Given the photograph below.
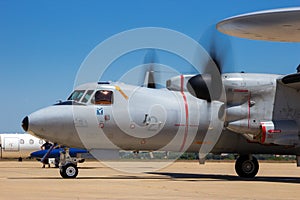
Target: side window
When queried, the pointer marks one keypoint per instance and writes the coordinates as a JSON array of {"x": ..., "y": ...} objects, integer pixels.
[
  {"x": 103, "y": 97},
  {"x": 31, "y": 141},
  {"x": 41, "y": 142},
  {"x": 87, "y": 96},
  {"x": 76, "y": 95},
  {"x": 21, "y": 141}
]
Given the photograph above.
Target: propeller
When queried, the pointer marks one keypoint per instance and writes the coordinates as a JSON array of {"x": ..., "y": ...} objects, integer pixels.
[
  {"x": 208, "y": 85},
  {"x": 218, "y": 47},
  {"x": 151, "y": 73},
  {"x": 149, "y": 61}
]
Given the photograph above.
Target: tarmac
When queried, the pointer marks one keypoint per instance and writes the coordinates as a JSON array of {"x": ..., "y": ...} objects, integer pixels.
[{"x": 180, "y": 180}]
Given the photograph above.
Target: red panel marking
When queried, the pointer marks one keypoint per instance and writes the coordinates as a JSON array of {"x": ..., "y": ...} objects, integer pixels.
[
  {"x": 274, "y": 131},
  {"x": 186, "y": 107},
  {"x": 263, "y": 136},
  {"x": 240, "y": 90},
  {"x": 101, "y": 125}
]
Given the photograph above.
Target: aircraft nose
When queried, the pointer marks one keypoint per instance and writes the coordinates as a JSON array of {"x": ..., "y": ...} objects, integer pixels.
[
  {"x": 54, "y": 123},
  {"x": 25, "y": 123}
]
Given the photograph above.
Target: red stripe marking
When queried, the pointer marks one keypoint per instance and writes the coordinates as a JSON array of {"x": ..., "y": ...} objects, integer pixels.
[
  {"x": 263, "y": 137},
  {"x": 186, "y": 107},
  {"x": 274, "y": 131},
  {"x": 240, "y": 90}
]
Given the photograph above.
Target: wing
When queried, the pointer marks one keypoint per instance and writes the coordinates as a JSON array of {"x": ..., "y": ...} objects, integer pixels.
[{"x": 281, "y": 25}]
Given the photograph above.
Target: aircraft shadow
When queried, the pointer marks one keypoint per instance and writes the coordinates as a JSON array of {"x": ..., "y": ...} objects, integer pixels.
[
  {"x": 216, "y": 177},
  {"x": 121, "y": 177},
  {"x": 183, "y": 177}
]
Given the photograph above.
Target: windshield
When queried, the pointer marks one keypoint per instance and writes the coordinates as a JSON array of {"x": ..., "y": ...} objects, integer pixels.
[
  {"x": 87, "y": 96},
  {"x": 76, "y": 95}
]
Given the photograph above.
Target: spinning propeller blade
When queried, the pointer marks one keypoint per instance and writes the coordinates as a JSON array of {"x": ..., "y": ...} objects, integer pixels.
[
  {"x": 208, "y": 85},
  {"x": 149, "y": 61}
]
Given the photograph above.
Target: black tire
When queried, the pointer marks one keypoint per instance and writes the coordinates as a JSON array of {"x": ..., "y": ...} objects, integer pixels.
[
  {"x": 70, "y": 170},
  {"x": 61, "y": 172},
  {"x": 56, "y": 163},
  {"x": 246, "y": 167}
]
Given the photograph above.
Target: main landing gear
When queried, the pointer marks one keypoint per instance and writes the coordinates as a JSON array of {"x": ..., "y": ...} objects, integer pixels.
[
  {"x": 246, "y": 166},
  {"x": 68, "y": 165}
]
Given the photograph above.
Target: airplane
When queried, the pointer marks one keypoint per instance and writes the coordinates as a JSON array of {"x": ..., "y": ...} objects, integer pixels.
[
  {"x": 240, "y": 113},
  {"x": 18, "y": 145}
]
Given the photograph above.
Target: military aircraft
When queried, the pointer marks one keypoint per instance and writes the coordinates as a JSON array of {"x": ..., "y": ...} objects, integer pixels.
[{"x": 239, "y": 113}]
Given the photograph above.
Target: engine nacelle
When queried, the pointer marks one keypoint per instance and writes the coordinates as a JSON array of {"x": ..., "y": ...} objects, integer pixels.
[
  {"x": 203, "y": 86},
  {"x": 283, "y": 132},
  {"x": 178, "y": 83}
]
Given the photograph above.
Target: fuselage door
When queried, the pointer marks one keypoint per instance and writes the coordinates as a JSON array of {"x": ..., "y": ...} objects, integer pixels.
[{"x": 11, "y": 144}]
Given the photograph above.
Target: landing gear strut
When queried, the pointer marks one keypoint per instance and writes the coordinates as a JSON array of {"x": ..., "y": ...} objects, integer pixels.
[
  {"x": 68, "y": 165},
  {"x": 246, "y": 166}
]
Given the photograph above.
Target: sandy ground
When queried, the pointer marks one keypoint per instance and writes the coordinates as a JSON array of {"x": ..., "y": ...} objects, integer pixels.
[{"x": 180, "y": 180}]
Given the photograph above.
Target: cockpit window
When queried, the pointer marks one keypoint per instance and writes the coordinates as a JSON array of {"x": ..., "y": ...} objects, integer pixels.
[
  {"x": 87, "y": 96},
  {"x": 76, "y": 95},
  {"x": 104, "y": 97}
]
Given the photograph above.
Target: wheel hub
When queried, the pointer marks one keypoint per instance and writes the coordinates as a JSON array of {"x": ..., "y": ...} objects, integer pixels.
[
  {"x": 70, "y": 171},
  {"x": 248, "y": 167}
]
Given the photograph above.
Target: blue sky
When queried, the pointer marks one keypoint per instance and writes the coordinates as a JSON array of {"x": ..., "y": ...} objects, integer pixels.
[{"x": 43, "y": 43}]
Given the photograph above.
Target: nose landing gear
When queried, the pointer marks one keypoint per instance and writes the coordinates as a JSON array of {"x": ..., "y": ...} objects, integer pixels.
[{"x": 68, "y": 165}]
